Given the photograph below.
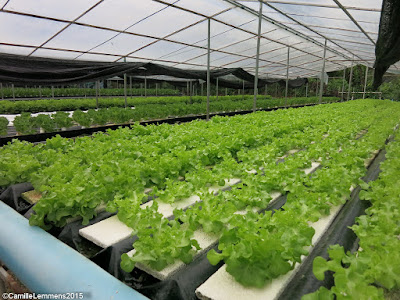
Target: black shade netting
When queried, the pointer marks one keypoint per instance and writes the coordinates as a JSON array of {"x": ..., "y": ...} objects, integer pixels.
[
  {"x": 387, "y": 49},
  {"x": 23, "y": 70}
]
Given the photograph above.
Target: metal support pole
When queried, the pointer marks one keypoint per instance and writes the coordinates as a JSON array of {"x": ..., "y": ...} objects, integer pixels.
[
  {"x": 365, "y": 81},
  {"x": 202, "y": 89},
  {"x": 130, "y": 85},
  {"x": 141, "y": 89},
  {"x": 350, "y": 80},
  {"x": 243, "y": 91},
  {"x": 306, "y": 89},
  {"x": 13, "y": 90},
  {"x": 208, "y": 68},
  {"x": 156, "y": 89},
  {"x": 187, "y": 88},
  {"x": 266, "y": 89},
  {"x": 316, "y": 89},
  {"x": 216, "y": 90},
  {"x": 190, "y": 91},
  {"x": 52, "y": 91},
  {"x": 287, "y": 75},
  {"x": 257, "y": 57},
  {"x": 125, "y": 91},
  {"x": 226, "y": 91},
  {"x": 145, "y": 86},
  {"x": 321, "y": 90},
  {"x": 276, "y": 90},
  {"x": 97, "y": 94},
  {"x": 344, "y": 80}
]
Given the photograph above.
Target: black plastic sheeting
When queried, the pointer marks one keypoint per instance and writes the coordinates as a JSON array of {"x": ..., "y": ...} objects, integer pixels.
[
  {"x": 25, "y": 70},
  {"x": 12, "y": 197},
  {"x": 387, "y": 49}
]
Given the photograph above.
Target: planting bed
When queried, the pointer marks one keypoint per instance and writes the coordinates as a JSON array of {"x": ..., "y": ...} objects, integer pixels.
[
  {"x": 47, "y": 92},
  {"x": 46, "y": 105},
  {"x": 27, "y": 126},
  {"x": 225, "y": 209}
]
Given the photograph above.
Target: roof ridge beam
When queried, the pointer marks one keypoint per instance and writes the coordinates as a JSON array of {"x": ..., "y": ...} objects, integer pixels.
[
  {"x": 318, "y": 5},
  {"x": 287, "y": 28},
  {"x": 316, "y": 32}
]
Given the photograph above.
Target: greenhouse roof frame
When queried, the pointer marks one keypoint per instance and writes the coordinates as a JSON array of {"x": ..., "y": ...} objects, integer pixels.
[{"x": 85, "y": 33}]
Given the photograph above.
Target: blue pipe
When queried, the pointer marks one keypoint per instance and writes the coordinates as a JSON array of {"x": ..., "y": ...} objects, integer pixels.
[{"x": 46, "y": 265}]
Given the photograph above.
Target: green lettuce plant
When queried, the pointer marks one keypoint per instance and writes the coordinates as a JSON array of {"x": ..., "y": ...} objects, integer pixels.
[
  {"x": 3, "y": 125},
  {"x": 62, "y": 119},
  {"x": 24, "y": 124},
  {"x": 45, "y": 122}
]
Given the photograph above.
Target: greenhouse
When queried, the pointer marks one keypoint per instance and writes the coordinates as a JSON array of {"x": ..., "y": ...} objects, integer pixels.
[{"x": 208, "y": 149}]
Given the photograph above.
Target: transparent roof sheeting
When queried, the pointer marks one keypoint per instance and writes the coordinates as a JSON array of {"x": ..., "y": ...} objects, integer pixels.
[{"x": 174, "y": 32}]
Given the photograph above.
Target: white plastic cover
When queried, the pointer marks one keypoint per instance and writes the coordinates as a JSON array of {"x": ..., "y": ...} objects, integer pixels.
[{"x": 174, "y": 32}]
